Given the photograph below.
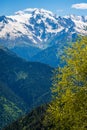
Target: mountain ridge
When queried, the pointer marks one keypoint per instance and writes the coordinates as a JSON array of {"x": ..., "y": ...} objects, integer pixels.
[{"x": 35, "y": 27}]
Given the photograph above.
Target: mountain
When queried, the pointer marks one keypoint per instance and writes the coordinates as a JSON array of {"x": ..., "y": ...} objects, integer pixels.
[
  {"x": 26, "y": 52},
  {"x": 23, "y": 85},
  {"x": 32, "y": 121},
  {"x": 31, "y": 26},
  {"x": 37, "y": 26},
  {"x": 33, "y": 31},
  {"x": 29, "y": 80},
  {"x": 52, "y": 54}
]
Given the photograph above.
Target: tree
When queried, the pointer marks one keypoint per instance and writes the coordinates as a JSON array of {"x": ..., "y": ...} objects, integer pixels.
[{"x": 68, "y": 110}]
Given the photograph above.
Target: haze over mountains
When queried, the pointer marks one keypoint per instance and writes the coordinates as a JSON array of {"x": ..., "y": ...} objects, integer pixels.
[{"x": 32, "y": 33}]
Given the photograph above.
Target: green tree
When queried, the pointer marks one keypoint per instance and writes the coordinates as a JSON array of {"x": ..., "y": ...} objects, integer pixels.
[{"x": 68, "y": 110}]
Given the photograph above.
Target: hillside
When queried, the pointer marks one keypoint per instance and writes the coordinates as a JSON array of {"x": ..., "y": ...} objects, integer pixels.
[
  {"x": 32, "y": 121},
  {"x": 24, "y": 85},
  {"x": 11, "y": 106},
  {"x": 52, "y": 54}
]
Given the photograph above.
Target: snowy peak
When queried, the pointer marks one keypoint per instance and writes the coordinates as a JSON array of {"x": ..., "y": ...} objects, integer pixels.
[
  {"x": 29, "y": 13},
  {"x": 37, "y": 26},
  {"x": 34, "y": 11},
  {"x": 80, "y": 24},
  {"x": 3, "y": 19},
  {"x": 77, "y": 18}
]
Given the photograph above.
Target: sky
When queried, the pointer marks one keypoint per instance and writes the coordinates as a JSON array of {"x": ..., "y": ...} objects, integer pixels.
[{"x": 59, "y": 7}]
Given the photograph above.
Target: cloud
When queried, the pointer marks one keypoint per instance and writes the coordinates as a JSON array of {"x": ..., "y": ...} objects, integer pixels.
[
  {"x": 80, "y": 6},
  {"x": 25, "y": 11},
  {"x": 19, "y": 12}
]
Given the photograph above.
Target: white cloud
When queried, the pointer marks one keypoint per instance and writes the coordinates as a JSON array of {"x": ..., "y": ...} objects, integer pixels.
[
  {"x": 19, "y": 12},
  {"x": 80, "y": 6},
  {"x": 29, "y": 9}
]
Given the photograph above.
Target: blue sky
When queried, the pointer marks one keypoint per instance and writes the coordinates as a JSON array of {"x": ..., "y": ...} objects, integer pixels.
[{"x": 60, "y": 7}]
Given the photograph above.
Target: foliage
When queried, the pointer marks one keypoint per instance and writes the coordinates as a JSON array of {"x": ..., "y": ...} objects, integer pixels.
[
  {"x": 11, "y": 106},
  {"x": 68, "y": 110},
  {"x": 32, "y": 121},
  {"x": 8, "y": 112}
]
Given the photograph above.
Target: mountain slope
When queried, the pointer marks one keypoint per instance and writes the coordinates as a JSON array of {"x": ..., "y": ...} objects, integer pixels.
[
  {"x": 26, "y": 52},
  {"x": 11, "y": 106},
  {"x": 32, "y": 121},
  {"x": 30, "y": 81},
  {"x": 52, "y": 54}
]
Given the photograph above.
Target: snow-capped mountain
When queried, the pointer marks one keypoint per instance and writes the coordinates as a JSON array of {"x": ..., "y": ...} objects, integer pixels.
[
  {"x": 29, "y": 26},
  {"x": 37, "y": 26},
  {"x": 39, "y": 35}
]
